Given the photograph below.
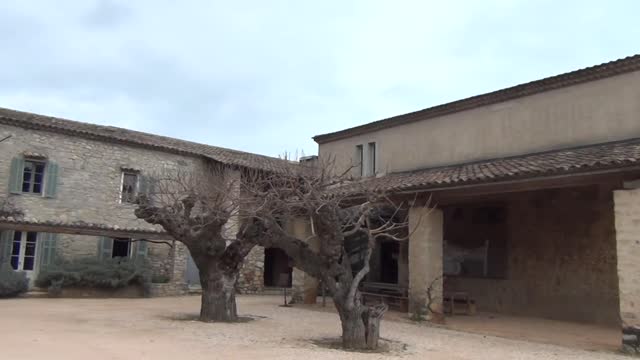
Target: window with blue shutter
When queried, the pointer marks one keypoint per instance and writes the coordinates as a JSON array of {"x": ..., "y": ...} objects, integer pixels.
[
  {"x": 47, "y": 249},
  {"x": 35, "y": 176},
  {"x": 6, "y": 245},
  {"x": 15, "y": 175},
  {"x": 51, "y": 183},
  {"x": 105, "y": 248},
  {"x": 142, "y": 250}
]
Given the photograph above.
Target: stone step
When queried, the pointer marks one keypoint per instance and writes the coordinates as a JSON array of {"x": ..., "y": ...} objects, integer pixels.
[{"x": 36, "y": 293}]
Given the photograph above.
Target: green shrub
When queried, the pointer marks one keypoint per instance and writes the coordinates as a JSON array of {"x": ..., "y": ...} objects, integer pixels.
[
  {"x": 12, "y": 283},
  {"x": 160, "y": 279},
  {"x": 94, "y": 273}
]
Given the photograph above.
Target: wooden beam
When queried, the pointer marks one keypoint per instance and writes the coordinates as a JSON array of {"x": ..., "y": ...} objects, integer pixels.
[
  {"x": 75, "y": 230},
  {"x": 454, "y": 194}
]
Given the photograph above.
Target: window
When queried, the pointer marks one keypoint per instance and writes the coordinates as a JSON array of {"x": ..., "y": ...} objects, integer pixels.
[
  {"x": 33, "y": 176},
  {"x": 359, "y": 160},
  {"x": 121, "y": 247},
  {"x": 371, "y": 159},
  {"x": 129, "y": 187},
  {"x": 23, "y": 250}
]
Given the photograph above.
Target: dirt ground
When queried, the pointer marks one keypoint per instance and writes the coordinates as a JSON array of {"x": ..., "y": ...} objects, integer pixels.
[{"x": 163, "y": 328}]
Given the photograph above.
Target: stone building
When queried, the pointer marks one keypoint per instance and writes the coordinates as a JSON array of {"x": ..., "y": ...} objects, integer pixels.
[
  {"x": 534, "y": 197},
  {"x": 75, "y": 185}
]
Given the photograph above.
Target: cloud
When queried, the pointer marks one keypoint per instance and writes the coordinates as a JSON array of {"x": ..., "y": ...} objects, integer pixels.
[{"x": 266, "y": 76}]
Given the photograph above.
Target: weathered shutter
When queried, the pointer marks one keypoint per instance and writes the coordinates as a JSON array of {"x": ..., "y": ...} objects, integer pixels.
[
  {"x": 105, "y": 248},
  {"x": 142, "y": 249},
  {"x": 47, "y": 249},
  {"x": 51, "y": 182},
  {"x": 146, "y": 186},
  {"x": 6, "y": 244},
  {"x": 16, "y": 175}
]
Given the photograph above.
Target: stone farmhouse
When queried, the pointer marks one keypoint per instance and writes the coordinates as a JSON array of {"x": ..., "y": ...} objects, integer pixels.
[
  {"x": 76, "y": 184},
  {"x": 534, "y": 198}
]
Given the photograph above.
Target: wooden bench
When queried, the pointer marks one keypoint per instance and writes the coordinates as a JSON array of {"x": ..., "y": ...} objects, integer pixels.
[
  {"x": 393, "y": 295},
  {"x": 453, "y": 298}
]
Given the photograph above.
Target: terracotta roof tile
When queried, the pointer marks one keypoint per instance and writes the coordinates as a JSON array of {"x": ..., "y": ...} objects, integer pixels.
[
  {"x": 613, "y": 155},
  {"x": 131, "y": 137}
]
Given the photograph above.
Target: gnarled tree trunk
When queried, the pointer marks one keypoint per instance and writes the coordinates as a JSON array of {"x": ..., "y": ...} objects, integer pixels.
[
  {"x": 218, "y": 294},
  {"x": 360, "y": 323}
]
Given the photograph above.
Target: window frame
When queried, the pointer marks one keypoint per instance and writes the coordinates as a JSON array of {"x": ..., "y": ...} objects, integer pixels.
[
  {"x": 372, "y": 149},
  {"x": 31, "y": 181},
  {"x": 120, "y": 240},
  {"x": 360, "y": 159},
  {"x": 136, "y": 189}
]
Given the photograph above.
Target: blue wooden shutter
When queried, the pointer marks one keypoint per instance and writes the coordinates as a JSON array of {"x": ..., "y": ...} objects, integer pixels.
[
  {"x": 6, "y": 244},
  {"x": 105, "y": 248},
  {"x": 142, "y": 249},
  {"x": 16, "y": 175},
  {"x": 51, "y": 183},
  {"x": 47, "y": 249}
]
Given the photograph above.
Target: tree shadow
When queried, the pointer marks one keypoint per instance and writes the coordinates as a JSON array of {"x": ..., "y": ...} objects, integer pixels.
[
  {"x": 385, "y": 346},
  {"x": 196, "y": 317}
]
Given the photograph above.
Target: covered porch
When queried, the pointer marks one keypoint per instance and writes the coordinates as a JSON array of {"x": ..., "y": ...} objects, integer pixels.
[{"x": 551, "y": 236}]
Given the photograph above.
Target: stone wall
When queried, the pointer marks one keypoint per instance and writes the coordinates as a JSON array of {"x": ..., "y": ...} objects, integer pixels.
[
  {"x": 70, "y": 247},
  {"x": 168, "y": 289},
  {"x": 251, "y": 278},
  {"x": 160, "y": 256},
  {"x": 561, "y": 258},
  {"x": 627, "y": 222},
  {"x": 89, "y": 178}
]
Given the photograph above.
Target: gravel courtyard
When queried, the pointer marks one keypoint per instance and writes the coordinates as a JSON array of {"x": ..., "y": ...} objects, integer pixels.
[{"x": 163, "y": 328}]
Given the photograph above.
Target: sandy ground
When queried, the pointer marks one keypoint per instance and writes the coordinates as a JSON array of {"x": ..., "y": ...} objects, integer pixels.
[{"x": 162, "y": 328}]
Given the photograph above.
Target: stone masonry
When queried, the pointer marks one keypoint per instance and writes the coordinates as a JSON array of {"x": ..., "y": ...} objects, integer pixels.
[
  {"x": 425, "y": 261},
  {"x": 88, "y": 189},
  {"x": 627, "y": 220}
]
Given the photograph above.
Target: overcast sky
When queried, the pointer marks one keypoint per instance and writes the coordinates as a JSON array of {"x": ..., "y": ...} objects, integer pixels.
[{"x": 265, "y": 76}]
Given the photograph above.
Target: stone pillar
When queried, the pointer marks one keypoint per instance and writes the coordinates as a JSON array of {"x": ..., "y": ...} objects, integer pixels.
[
  {"x": 627, "y": 221},
  {"x": 425, "y": 261},
  {"x": 305, "y": 287},
  {"x": 179, "y": 256}
]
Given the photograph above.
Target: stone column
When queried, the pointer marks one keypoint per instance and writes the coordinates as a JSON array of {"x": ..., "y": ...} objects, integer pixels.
[
  {"x": 179, "y": 255},
  {"x": 627, "y": 221},
  {"x": 425, "y": 261},
  {"x": 305, "y": 287}
]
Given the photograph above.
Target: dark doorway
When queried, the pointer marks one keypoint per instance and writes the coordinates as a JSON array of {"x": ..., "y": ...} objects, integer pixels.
[
  {"x": 276, "y": 266},
  {"x": 389, "y": 252}
]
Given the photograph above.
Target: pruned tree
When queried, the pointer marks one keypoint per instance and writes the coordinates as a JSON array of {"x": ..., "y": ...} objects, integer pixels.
[
  {"x": 200, "y": 209},
  {"x": 346, "y": 227}
]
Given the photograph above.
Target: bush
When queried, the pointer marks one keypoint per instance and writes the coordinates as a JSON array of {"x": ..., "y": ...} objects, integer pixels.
[
  {"x": 94, "y": 273},
  {"x": 160, "y": 279},
  {"x": 12, "y": 283}
]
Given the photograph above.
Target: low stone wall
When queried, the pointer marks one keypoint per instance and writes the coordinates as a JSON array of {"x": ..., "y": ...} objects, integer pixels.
[{"x": 168, "y": 289}]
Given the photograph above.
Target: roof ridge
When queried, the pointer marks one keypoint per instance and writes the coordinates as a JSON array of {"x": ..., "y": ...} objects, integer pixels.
[
  {"x": 135, "y": 137},
  {"x": 582, "y": 75}
]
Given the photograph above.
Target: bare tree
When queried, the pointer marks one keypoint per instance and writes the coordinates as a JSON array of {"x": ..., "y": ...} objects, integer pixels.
[
  {"x": 200, "y": 209},
  {"x": 345, "y": 228}
]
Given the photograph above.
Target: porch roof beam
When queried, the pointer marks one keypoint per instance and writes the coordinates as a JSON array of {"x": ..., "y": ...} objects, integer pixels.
[{"x": 77, "y": 230}]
